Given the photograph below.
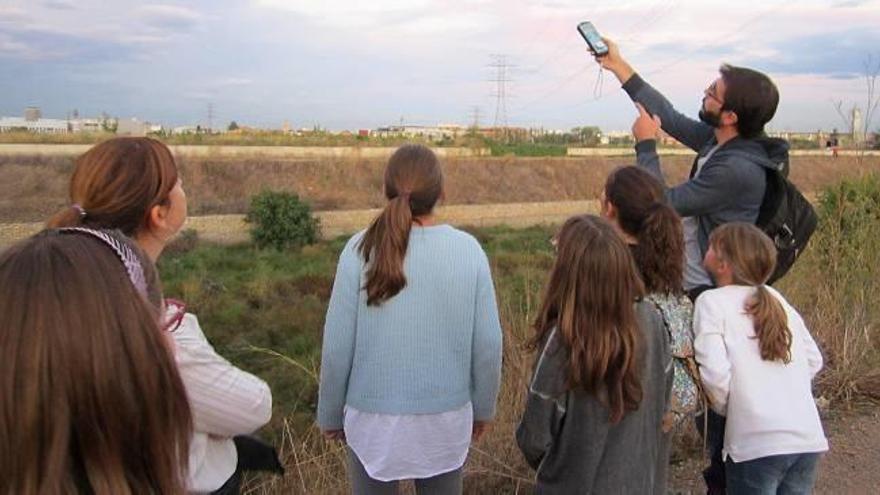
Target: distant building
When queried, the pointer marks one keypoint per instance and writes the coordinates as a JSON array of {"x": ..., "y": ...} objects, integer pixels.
[
  {"x": 32, "y": 114},
  {"x": 615, "y": 137},
  {"x": 42, "y": 126},
  {"x": 131, "y": 127},
  {"x": 434, "y": 133},
  {"x": 87, "y": 125},
  {"x": 185, "y": 129},
  {"x": 857, "y": 126}
]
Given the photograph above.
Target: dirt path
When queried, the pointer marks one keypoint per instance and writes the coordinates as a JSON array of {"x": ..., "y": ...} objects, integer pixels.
[{"x": 852, "y": 466}]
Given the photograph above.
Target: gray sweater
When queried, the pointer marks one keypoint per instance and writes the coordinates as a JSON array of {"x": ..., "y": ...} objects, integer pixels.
[
  {"x": 731, "y": 184},
  {"x": 566, "y": 436}
]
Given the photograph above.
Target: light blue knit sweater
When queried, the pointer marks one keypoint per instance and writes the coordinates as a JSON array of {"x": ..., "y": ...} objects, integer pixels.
[{"x": 431, "y": 348}]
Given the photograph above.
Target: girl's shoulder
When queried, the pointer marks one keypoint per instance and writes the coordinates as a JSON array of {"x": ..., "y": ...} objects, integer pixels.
[{"x": 734, "y": 295}]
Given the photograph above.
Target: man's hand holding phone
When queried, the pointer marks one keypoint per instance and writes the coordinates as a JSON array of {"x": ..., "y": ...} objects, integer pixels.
[{"x": 605, "y": 52}]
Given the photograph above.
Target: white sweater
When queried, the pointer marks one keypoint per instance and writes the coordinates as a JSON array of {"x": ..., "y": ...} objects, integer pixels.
[
  {"x": 225, "y": 401},
  {"x": 769, "y": 405}
]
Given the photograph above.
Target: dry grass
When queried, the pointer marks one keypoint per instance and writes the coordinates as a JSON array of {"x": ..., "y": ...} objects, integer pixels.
[
  {"x": 836, "y": 285},
  {"x": 34, "y": 187}
]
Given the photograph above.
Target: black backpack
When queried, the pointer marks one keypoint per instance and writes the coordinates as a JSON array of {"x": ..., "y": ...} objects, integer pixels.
[{"x": 786, "y": 216}]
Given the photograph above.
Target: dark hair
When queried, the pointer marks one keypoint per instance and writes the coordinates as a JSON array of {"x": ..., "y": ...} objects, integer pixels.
[
  {"x": 590, "y": 301},
  {"x": 413, "y": 184},
  {"x": 752, "y": 96},
  {"x": 752, "y": 255},
  {"x": 116, "y": 183},
  {"x": 643, "y": 212},
  {"x": 91, "y": 400}
]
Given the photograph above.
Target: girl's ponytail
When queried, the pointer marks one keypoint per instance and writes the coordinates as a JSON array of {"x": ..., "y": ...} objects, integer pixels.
[
  {"x": 385, "y": 243},
  {"x": 658, "y": 253},
  {"x": 752, "y": 257},
  {"x": 413, "y": 185},
  {"x": 71, "y": 216},
  {"x": 771, "y": 326}
]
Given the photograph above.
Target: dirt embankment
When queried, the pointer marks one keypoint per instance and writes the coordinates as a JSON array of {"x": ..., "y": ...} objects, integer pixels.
[{"x": 35, "y": 186}]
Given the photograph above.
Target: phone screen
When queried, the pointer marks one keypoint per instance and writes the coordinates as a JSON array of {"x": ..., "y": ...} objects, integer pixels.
[{"x": 592, "y": 37}]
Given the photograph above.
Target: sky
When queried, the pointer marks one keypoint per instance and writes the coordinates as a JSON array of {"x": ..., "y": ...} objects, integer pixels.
[{"x": 360, "y": 65}]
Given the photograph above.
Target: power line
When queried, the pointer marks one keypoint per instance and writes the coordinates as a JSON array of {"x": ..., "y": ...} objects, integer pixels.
[{"x": 475, "y": 116}]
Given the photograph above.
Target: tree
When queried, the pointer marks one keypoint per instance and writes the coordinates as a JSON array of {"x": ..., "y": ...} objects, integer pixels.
[
  {"x": 233, "y": 126},
  {"x": 871, "y": 72},
  {"x": 587, "y": 135}
]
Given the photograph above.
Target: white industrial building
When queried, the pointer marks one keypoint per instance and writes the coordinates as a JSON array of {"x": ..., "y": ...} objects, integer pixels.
[{"x": 43, "y": 126}]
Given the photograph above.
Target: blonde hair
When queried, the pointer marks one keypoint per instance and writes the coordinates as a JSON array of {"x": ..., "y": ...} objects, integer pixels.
[{"x": 752, "y": 257}]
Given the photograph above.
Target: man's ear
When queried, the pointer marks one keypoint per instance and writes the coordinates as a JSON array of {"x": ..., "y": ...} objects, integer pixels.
[
  {"x": 608, "y": 209},
  {"x": 729, "y": 117}
]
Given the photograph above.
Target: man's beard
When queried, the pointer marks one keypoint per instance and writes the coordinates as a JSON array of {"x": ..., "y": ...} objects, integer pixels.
[{"x": 712, "y": 119}]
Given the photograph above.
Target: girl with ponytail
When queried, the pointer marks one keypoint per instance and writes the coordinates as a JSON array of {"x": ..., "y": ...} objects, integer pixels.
[
  {"x": 757, "y": 360},
  {"x": 411, "y": 357},
  {"x": 634, "y": 202}
]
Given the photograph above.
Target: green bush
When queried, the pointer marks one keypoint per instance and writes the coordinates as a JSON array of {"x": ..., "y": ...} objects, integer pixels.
[
  {"x": 836, "y": 282},
  {"x": 281, "y": 221}
]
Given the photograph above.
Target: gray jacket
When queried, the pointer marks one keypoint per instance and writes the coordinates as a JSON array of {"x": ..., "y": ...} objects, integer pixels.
[
  {"x": 565, "y": 434},
  {"x": 731, "y": 184}
]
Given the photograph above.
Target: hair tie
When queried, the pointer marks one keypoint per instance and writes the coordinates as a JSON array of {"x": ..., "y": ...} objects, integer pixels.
[
  {"x": 405, "y": 196},
  {"x": 79, "y": 209}
]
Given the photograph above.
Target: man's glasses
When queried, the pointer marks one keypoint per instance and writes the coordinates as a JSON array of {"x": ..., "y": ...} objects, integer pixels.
[{"x": 711, "y": 93}]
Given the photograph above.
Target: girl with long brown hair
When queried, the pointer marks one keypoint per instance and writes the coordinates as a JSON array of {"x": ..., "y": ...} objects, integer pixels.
[
  {"x": 601, "y": 384},
  {"x": 90, "y": 398},
  {"x": 757, "y": 360},
  {"x": 132, "y": 186},
  {"x": 411, "y": 357},
  {"x": 634, "y": 202}
]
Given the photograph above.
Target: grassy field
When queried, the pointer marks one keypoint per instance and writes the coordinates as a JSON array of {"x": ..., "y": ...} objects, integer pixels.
[
  {"x": 264, "y": 310},
  {"x": 35, "y": 186}
]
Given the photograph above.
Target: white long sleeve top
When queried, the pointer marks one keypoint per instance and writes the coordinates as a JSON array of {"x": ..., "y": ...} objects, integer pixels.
[
  {"x": 769, "y": 406},
  {"x": 225, "y": 401}
]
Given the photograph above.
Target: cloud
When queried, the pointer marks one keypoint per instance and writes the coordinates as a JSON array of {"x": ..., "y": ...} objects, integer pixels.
[
  {"x": 169, "y": 17},
  {"x": 59, "y": 4},
  {"x": 838, "y": 54}
]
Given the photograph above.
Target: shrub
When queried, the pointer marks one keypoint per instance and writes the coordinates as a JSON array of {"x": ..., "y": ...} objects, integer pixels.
[
  {"x": 836, "y": 282},
  {"x": 281, "y": 220}
]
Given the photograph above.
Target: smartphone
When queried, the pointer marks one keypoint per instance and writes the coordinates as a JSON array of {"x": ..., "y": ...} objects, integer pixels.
[{"x": 592, "y": 37}]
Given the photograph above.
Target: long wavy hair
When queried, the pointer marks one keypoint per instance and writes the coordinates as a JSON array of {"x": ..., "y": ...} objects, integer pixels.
[
  {"x": 413, "y": 185},
  {"x": 752, "y": 256},
  {"x": 590, "y": 300},
  {"x": 90, "y": 397},
  {"x": 643, "y": 213}
]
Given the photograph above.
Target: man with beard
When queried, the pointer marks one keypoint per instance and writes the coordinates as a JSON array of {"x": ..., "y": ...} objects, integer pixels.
[
  {"x": 727, "y": 180},
  {"x": 728, "y": 177}
]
